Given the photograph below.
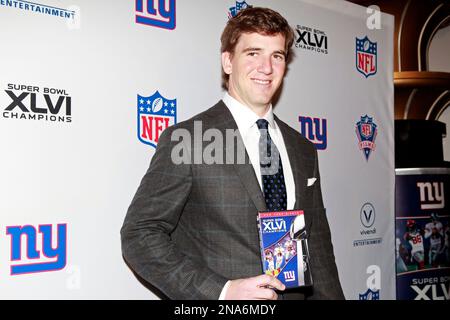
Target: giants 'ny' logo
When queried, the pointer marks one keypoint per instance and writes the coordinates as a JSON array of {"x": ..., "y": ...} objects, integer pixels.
[
  {"x": 315, "y": 130},
  {"x": 162, "y": 17},
  {"x": 431, "y": 195},
  {"x": 52, "y": 256},
  {"x": 289, "y": 276}
]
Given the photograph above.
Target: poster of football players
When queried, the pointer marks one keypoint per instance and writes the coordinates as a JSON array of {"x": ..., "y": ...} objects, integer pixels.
[{"x": 422, "y": 231}]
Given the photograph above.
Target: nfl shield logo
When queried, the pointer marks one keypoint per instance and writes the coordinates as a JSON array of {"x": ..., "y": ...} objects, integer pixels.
[
  {"x": 155, "y": 114},
  {"x": 370, "y": 295},
  {"x": 239, "y": 6},
  {"x": 366, "y": 130},
  {"x": 366, "y": 56}
]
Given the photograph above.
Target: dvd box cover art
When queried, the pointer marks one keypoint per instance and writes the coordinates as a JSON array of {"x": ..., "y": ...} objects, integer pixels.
[{"x": 284, "y": 247}]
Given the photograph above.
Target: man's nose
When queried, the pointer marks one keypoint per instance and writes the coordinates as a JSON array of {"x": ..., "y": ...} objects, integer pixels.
[{"x": 265, "y": 65}]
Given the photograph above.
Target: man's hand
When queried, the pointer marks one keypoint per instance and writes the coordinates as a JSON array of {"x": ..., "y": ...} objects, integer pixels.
[{"x": 256, "y": 288}]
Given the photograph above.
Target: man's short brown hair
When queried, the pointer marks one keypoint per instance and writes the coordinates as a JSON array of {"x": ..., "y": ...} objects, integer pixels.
[{"x": 264, "y": 21}]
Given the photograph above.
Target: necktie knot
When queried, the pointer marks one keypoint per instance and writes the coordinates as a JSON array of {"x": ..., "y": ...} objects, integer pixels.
[{"x": 262, "y": 124}]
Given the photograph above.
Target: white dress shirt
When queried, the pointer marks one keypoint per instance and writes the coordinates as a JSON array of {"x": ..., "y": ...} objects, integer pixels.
[
  {"x": 246, "y": 122},
  {"x": 246, "y": 119}
]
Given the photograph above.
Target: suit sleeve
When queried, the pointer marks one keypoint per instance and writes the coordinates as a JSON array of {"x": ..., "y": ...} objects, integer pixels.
[
  {"x": 151, "y": 218},
  {"x": 325, "y": 274}
]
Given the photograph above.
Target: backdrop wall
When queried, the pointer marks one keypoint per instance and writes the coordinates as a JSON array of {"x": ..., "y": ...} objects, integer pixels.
[{"x": 73, "y": 150}]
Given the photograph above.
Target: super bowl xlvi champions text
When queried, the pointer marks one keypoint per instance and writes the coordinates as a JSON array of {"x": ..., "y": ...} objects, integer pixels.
[
  {"x": 23, "y": 116},
  {"x": 27, "y": 102}
]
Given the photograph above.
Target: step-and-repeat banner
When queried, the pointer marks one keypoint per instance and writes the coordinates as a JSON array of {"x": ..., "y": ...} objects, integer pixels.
[{"x": 86, "y": 88}]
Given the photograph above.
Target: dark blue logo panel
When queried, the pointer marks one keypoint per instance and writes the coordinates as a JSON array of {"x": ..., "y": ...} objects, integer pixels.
[{"x": 422, "y": 236}]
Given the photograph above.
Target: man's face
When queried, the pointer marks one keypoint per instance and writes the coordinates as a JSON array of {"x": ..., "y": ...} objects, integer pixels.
[{"x": 256, "y": 69}]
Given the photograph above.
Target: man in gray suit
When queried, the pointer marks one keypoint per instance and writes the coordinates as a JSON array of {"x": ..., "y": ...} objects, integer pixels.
[{"x": 191, "y": 229}]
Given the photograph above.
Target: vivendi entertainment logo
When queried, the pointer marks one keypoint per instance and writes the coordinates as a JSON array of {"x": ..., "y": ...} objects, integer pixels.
[{"x": 39, "y": 8}]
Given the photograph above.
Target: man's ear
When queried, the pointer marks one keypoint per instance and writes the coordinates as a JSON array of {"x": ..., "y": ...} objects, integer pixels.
[{"x": 226, "y": 62}]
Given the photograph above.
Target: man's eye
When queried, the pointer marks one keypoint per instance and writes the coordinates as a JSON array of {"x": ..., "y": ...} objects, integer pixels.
[
  {"x": 279, "y": 57},
  {"x": 252, "y": 54}
]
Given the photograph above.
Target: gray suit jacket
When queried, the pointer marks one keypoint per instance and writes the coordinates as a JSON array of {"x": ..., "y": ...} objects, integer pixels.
[{"x": 192, "y": 227}]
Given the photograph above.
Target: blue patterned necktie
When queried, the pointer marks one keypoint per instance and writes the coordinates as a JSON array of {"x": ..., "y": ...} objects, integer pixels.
[{"x": 271, "y": 170}]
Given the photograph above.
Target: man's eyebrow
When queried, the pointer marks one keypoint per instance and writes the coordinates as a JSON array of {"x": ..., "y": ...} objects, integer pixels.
[
  {"x": 281, "y": 52},
  {"x": 251, "y": 49}
]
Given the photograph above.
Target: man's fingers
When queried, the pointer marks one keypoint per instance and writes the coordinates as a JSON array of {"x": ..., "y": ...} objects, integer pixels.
[
  {"x": 272, "y": 282},
  {"x": 277, "y": 284},
  {"x": 266, "y": 294},
  {"x": 260, "y": 287}
]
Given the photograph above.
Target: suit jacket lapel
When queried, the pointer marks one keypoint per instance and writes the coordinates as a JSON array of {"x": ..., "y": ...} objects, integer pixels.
[
  {"x": 250, "y": 182},
  {"x": 296, "y": 161},
  {"x": 244, "y": 171},
  {"x": 223, "y": 120},
  {"x": 297, "y": 164}
]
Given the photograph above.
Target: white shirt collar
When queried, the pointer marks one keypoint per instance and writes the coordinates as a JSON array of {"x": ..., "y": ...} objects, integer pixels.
[{"x": 245, "y": 118}]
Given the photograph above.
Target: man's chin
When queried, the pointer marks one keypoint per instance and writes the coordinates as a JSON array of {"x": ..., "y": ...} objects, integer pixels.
[{"x": 263, "y": 102}]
